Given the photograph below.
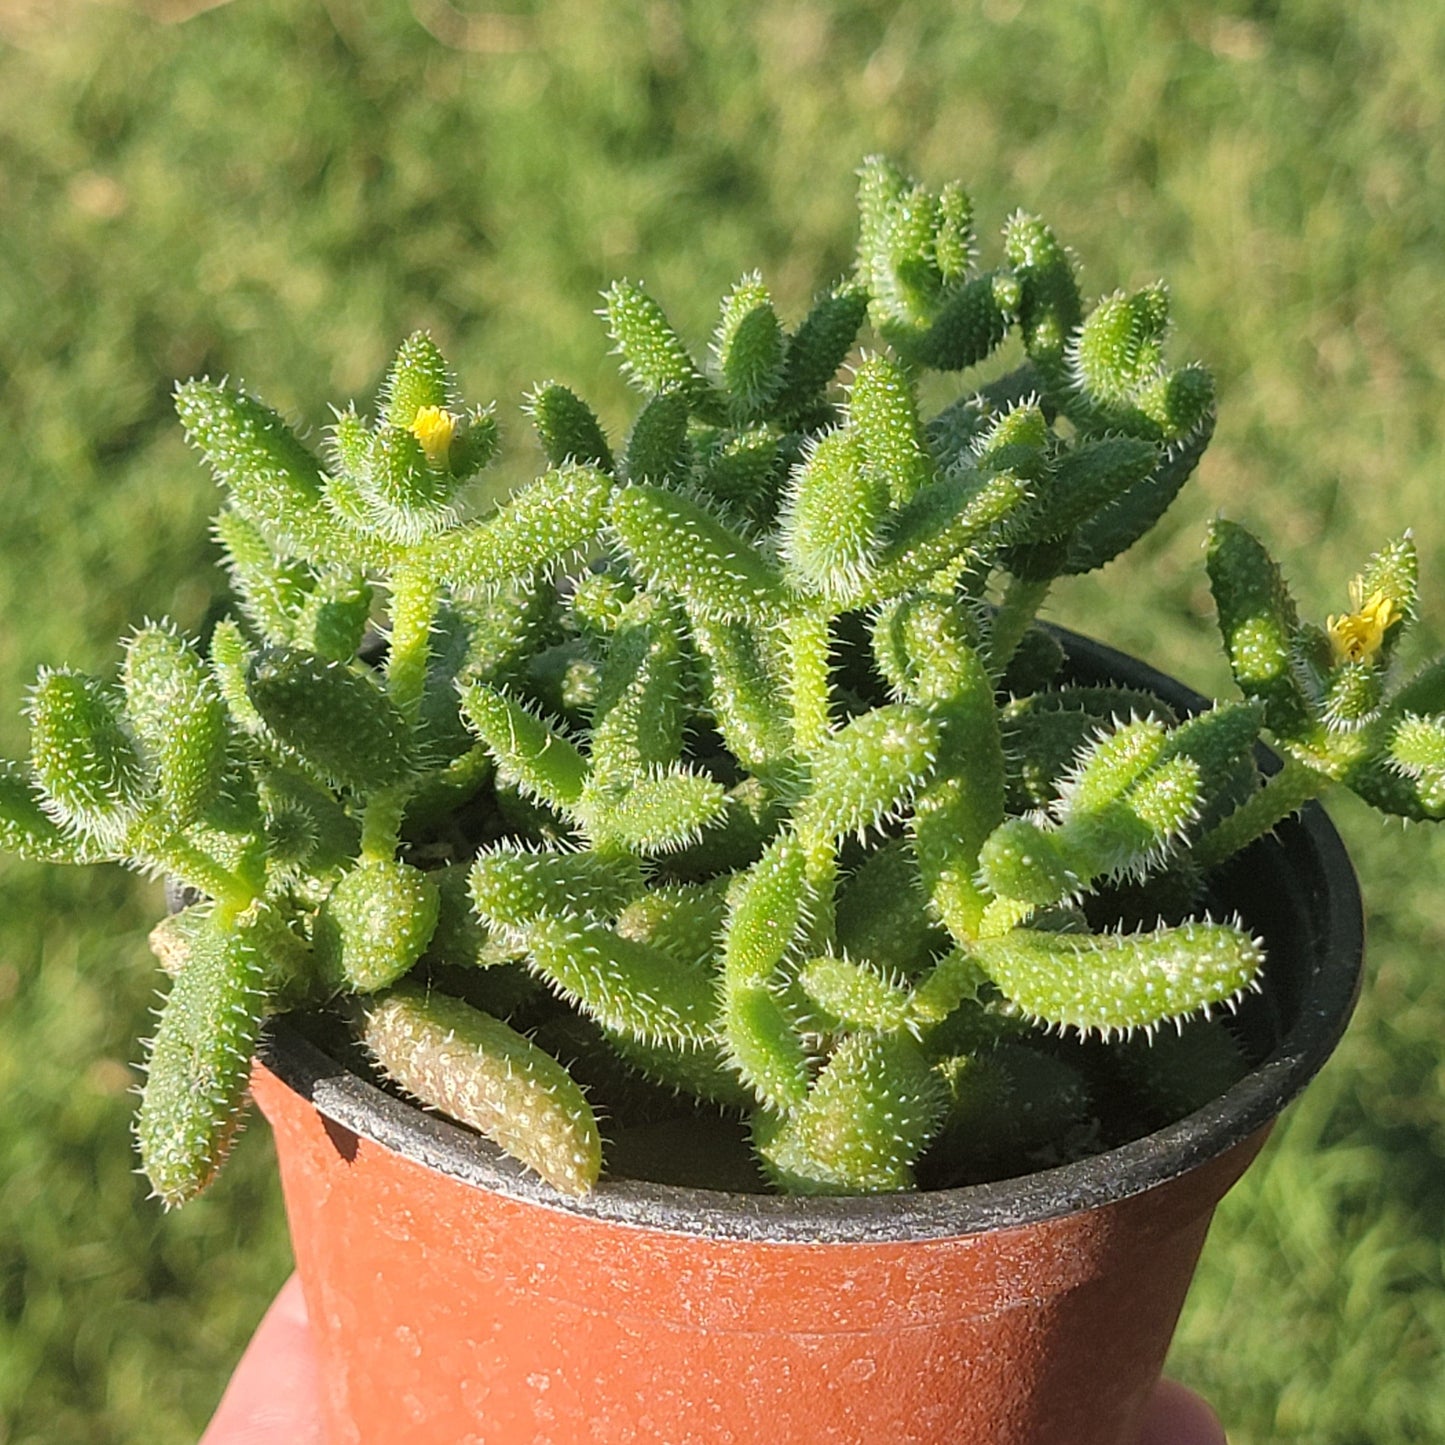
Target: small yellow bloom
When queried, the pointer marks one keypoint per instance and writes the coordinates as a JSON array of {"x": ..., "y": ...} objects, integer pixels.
[
  {"x": 434, "y": 427},
  {"x": 1358, "y": 635}
]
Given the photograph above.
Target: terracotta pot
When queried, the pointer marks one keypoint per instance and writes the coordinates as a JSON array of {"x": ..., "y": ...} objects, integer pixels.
[{"x": 457, "y": 1299}]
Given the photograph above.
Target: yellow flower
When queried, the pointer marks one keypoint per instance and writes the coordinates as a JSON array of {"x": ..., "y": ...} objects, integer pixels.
[
  {"x": 434, "y": 427},
  {"x": 1358, "y": 635}
]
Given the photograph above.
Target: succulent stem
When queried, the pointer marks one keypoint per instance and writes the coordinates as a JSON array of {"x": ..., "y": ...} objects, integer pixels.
[
  {"x": 1282, "y": 795},
  {"x": 809, "y": 643},
  {"x": 1016, "y": 611},
  {"x": 182, "y": 859},
  {"x": 414, "y": 599},
  {"x": 381, "y": 821}
]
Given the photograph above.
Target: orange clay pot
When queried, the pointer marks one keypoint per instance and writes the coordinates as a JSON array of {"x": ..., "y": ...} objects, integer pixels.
[{"x": 458, "y": 1301}]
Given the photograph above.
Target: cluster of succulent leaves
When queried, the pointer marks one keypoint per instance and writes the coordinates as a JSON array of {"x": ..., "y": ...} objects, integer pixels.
[{"x": 728, "y": 762}]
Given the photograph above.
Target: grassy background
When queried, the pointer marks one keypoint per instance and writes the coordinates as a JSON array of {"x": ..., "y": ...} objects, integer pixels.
[{"x": 280, "y": 191}]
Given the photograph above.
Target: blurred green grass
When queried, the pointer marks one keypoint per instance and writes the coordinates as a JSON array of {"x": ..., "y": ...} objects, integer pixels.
[{"x": 279, "y": 191}]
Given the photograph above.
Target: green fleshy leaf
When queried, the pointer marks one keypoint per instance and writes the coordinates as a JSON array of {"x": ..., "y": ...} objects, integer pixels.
[
  {"x": 1116, "y": 527},
  {"x": 1120, "y": 812},
  {"x": 1394, "y": 571},
  {"x": 231, "y": 659},
  {"x": 1010, "y": 1111},
  {"x": 954, "y": 242},
  {"x": 674, "y": 543},
  {"x": 375, "y": 924},
  {"x": 654, "y": 357},
  {"x": 952, "y": 985},
  {"x": 1119, "y": 346},
  {"x": 176, "y": 711},
  {"x": 1049, "y": 306},
  {"x": 866, "y": 772},
  {"x": 625, "y": 985},
  {"x": 952, "y": 434},
  {"x": 660, "y": 814},
  {"x": 747, "y": 703},
  {"x": 335, "y": 616},
  {"x": 272, "y": 589},
  {"x": 683, "y": 920},
  {"x": 765, "y": 1047},
  {"x": 896, "y": 256},
  {"x": 1111, "y": 763},
  {"x": 407, "y": 498},
  {"x": 639, "y": 717},
  {"x": 531, "y": 532},
  {"x": 1177, "y": 1072},
  {"x": 700, "y": 1071},
  {"x": 832, "y": 521},
  {"x": 1094, "y": 474},
  {"x": 750, "y": 820},
  {"x": 492, "y": 639},
  {"x": 856, "y": 994},
  {"x": 658, "y": 449},
  {"x": 867, "y": 1119},
  {"x": 1115, "y": 983},
  {"x": 1417, "y": 752},
  {"x": 962, "y": 804},
  {"x": 881, "y": 186},
  {"x": 339, "y": 721},
  {"x": 512, "y": 886},
  {"x": 1174, "y": 405},
  {"x": 1353, "y": 697},
  {"x": 418, "y": 378},
  {"x": 1036, "y": 664},
  {"x": 476, "y": 440},
  {"x": 1120, "y": 381},
  {"x": 1044, "y": 734},
  {"x": 881, "y": 910},
  {"x": 745, "y": 471},
  {"x": 534, "y": 756},
  {"x": 765, "y": 915},
  {"x": 1259, "y": 623},
  {"x": 748, "y": 349},
  {"x": 28, "y": 831},
  {"x": 935, "y": 661},
  {"x": 968, "y": 325},
  {"x": 349, "y": 444},
  {"x": 599, "y": 602},
  {"x": 1220, "y": 742},
  {"x": 946, "y": 519},
  {"x": 460, "y": 938},
  {"x": 199, "y": 1063},
  {"x": 915, "y": 251},
  {"x": 83, "y": 757},
  {"x": 820, "y": 345},
  {"x": 1423, "y": 693},
  {"x": 568, "y": 428},
  {"x": 273, "y": 480},
  {"x": 484, "y": 1074},
  {"x": 1020, "y": 860},
  {"x": 883, "y": 416},
  {"x": 1016, "y": 440}
]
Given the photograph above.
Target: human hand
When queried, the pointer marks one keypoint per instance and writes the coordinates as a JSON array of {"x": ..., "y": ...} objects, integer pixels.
[
  {"x": 272, "y": 1397},
  {"x": 1177, "y": 1416}
]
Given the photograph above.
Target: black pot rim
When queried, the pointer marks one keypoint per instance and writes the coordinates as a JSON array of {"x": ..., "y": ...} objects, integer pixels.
[{"x": 1315, "y": 887}]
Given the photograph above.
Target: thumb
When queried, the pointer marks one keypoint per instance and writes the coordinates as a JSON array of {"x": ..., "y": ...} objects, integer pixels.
[
  {"x": 1176, "y": 1416},
  {"x": 272, "y": 1397}
]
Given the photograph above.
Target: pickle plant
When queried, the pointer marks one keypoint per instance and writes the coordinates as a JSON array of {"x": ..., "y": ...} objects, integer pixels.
[{"x": 726, "y": 761}]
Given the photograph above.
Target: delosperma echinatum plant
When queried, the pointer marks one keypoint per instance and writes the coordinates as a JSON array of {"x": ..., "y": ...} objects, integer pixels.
[{"x": 726, "y": 764}]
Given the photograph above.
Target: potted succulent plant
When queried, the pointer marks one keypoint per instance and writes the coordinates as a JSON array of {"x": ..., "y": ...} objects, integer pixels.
[{"x": 713, "y": 816}]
